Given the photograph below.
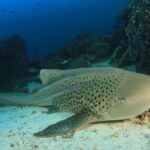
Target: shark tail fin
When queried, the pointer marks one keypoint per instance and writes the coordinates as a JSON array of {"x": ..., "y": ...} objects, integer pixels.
[{"x": 15, "y": 99}]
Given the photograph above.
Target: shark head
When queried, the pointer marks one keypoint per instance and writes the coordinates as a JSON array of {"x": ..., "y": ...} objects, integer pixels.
[{"x": 136, "y": 91}]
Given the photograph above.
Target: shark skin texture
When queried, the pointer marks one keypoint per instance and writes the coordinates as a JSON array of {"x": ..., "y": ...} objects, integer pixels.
[{"x": 91, "y": 94}]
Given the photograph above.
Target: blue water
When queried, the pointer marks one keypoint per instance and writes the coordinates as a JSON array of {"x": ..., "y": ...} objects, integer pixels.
[{"x": 48, "y": 24}]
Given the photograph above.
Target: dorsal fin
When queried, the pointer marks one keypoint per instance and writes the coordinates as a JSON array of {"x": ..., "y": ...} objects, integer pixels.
[{"x": 48, "y": 76}]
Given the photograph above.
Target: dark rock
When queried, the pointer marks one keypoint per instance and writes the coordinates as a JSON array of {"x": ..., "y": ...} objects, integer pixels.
[
  {"x": 77, "y": 46},
  {"x": 98, "y": 50},
  {"x": 13, "y": 60}
]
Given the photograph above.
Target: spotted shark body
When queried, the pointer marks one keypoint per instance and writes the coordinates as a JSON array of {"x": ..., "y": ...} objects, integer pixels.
[{"x": 91, "y": 94}]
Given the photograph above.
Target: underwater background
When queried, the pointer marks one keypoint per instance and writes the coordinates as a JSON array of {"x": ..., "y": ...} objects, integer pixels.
[{"x": 49, "y": 24}]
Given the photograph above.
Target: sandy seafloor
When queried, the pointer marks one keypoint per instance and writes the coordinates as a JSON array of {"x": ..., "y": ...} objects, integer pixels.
[{"x": 17, "y": 124}]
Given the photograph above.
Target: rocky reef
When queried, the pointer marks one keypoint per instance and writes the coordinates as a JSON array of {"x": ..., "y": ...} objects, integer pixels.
[
  {"x": 82, "y": 51},
  {"x": 134, "y": 40}
]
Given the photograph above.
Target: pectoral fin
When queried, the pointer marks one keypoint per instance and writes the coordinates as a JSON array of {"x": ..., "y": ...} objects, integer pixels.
[{"x": 65, "y": 126}]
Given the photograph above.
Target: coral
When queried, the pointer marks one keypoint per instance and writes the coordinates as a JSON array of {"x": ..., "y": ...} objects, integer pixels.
[{"x": 134, "y": 44}]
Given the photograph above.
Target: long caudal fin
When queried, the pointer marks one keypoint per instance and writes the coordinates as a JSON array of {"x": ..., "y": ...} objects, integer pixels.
[{"x": 15, "y": 99}]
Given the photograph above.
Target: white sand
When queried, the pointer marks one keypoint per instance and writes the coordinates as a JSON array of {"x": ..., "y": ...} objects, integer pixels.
[{"x": 18, "y": 124}]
